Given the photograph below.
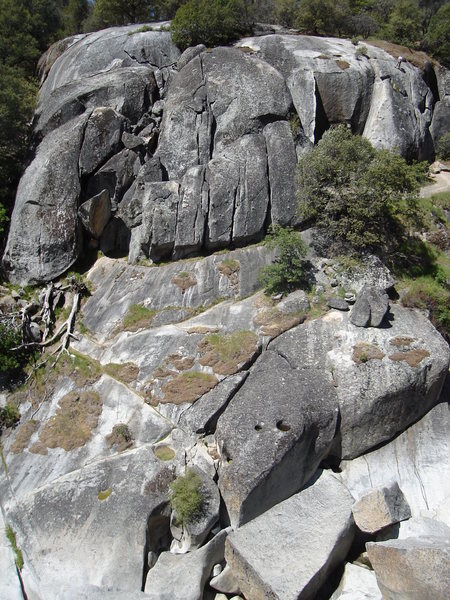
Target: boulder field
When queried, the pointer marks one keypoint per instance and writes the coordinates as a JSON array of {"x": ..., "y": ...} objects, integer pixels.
[{"x": 140, "y": 151}]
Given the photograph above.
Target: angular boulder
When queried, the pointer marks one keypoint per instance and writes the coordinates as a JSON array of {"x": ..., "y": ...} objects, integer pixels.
[
  {"x": 183, "y": 576},
  {"x": 412, "y": 568},
  {"x": 380, "y": 508},
  {"x": 287, "y": 552},
  {"x": 102, "y": 138},
  {"x": 370, "y": 307},
  {"x": 273, "y": 435},
  {"x": 44, "y": 238},
  {"x": 95, "y": 213}
]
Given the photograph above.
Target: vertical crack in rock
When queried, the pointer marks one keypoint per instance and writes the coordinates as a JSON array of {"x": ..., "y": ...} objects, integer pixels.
[
  {"x": 322, "y": 123},
  {"x": 158, "y": 538}
]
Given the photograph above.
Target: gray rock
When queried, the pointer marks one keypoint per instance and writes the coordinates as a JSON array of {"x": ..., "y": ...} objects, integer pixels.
[
  {"x": 357, "y": 583},
  {"x": 379, "y": 508},
  {"x": 382, "y": 396},
  {"x": 337, "y": 303},
  {"x": 116, "y": 175},
  {"x": 183, "y": 576},
  {"x": 370, "y": 308},
  {"x": 101, "y": 139},
  {"x": 273, "y": 434},
  {"x": 133, "y": 142},
  {"x": 95, "y": 213},
  {"x": 189, "y": 54},
  {"x": 418, "y": 460},
  {"x": 192, "y": 535},
  {"x": 44, "y": 239},
  {"x": 192, "y": 212},
  {"x": 225, "y": 582},
  {"x": 127, "y": 91},
  {"x": 412, "y": 568},
  {"x": 9, "y": 581},
  {"x": 282, "y": 162},
  {"x": 201, "y": 417},
  {"x": 441, "y": 120},
  {"x": 294, "y": 302},
  {"x": 108, "y": 51},
  {"x": 281, "y": 554}
]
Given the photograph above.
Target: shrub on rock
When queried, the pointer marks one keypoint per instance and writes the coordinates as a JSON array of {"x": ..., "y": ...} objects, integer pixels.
[
  {"x": 209, "y": 22},
  {"x": 186, "y": 499},
  {"x": 360, "y": 198}
]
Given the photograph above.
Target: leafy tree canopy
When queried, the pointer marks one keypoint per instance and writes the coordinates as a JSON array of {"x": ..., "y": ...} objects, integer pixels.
[
  {"x": 360, "y": 198},
  {"x": 438, "y": 36},
  {"x": 209, "y": 22}
]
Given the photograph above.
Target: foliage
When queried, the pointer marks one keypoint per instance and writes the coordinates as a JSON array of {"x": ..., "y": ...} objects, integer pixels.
[
  {"x": 286, "y": 272},
  {"x": 360, "y": 198},
  {"x": 74, "y": 15},
  {"x": 10, "y": 337},
  {"x": 443, "y": 146},
  {"x": 186, "y": 499},
  {"x": 438, "y": 35},
  {"x": 404, "y": 25},
  {"x": 9, "y": 415},
  {"x": 209, "y": 22},
  {"x": 121, "y": 12},
  {"x": 430, "y": 293},
  {"x": 286, "y": 12},
  {"x": 17, "y": 551}
]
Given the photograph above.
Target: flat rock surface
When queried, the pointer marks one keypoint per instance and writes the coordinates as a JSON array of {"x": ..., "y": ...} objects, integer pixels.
[
  {"x": 357, "y": 583},
  {"x": 281, "y": 554}
]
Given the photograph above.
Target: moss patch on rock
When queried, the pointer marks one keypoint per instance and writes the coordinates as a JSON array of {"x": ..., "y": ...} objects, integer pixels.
[
  {"x": 165, "y": 453},
  {"x": 74, "y": 421},
  {"x": 227, "y": 353},
  {"x": 137, "y": 317}
]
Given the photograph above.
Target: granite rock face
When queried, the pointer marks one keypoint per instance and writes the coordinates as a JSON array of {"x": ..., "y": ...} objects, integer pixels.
[
  {"x": 217, "y": 133},
  {"x": 380, "y": 508}
]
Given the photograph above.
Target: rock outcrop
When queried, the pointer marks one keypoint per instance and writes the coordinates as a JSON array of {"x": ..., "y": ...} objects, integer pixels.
[{"x": 217, "y": 135}]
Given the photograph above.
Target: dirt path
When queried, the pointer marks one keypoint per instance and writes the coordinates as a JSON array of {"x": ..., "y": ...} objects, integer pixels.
[{"x": 441, "y": 184}]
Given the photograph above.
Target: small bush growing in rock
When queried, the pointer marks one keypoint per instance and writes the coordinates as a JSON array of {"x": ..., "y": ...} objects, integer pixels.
[
  {"x": 286, "y": 272},
  {"x": 186, "y": 499},
  {"x": 9, "y": 415}
]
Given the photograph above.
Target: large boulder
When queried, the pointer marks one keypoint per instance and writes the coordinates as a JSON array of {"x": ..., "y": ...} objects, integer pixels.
[
  {"x": 273, "y": 434},
  {"x": 183, "y": 576},
  {"x": 288, "y": 552},
  {"x": 357, "y": 583},
  {"x": 44, "y": 238},
  {"x": 380, "y": 508},
  {"x": 418, "y": 459},
  {"x": 412, "y": 568}
]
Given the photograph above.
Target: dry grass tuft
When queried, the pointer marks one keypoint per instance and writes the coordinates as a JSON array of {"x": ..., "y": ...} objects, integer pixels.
[
  {"x": 412, "y": 357},
  {"x": 401, "y": 341},
  {"x": 72, "y": 425},
  {"x": 343, "y": 64},
  {"x": 184, "y": 280},
  {"x": 23, "y": 436},
  {"x": 364, "y": 352},
  {"x": 127, "y": 372},
  {"x": 120, "y": 437},
  {"x": 227, "y": 353},
  {"x": 272, "y": 322},
  {"x": 187, "y": 387}
]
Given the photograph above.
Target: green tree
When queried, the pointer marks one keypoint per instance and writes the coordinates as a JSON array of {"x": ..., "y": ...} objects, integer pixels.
[
  {"x": 286, "y": 12},
  {"x": 287, "y": 272},
  {"x": 324, "y": 16},
  {"x": 73, "y": 16},
  {"x": 209, "y": 22},
  {"x": 122, "y": 12},
  {"x": 438, "y": 35},
  {"x": 405, "y": 23},
  {"x": 360, "y": 198}
]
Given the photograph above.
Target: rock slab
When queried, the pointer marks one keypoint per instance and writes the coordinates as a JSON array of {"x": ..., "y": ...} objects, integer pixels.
[
  {"x": 381, "y": 507},
  {"x": 287, "y": 553}
]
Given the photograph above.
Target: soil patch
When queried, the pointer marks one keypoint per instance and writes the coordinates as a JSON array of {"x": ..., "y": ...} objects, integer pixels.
[
  {"x": 272, "y": 322},
  {"x": 120, "y": 437},
  {"x": 412, "y": 357},
  {"x": 364, "y": 352}
]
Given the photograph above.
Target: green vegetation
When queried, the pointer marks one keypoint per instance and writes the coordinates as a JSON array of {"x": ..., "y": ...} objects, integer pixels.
[
  {"x": 287, "y": 271},
  {"x": 10, "y": 534},
  {"x": 443, "y": 145},
  {"x": 186, "y": 498},
  {"x": 137, "y": 316},
  {"x": 438, "y": 35},
  {"x": 104, "y": 494},
  {"x": 165, "y": 453},
  {"x": 209, "y": 22},
  {"x": 10, "y": 337},
  {"x": 120, "y": 437},
  {"x": 9, "y": 416},
  {"x": 225, "y": 353},
  {"x": 360, "y": 199}
]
